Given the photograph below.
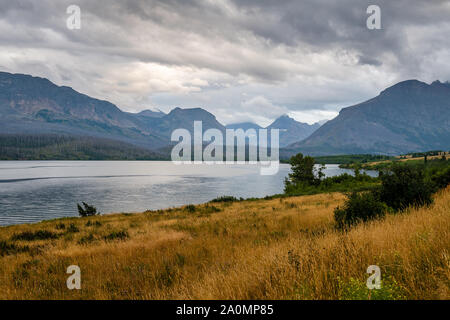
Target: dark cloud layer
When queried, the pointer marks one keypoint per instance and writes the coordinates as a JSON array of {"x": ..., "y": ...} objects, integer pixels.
[{"x": 240, "y": 59}]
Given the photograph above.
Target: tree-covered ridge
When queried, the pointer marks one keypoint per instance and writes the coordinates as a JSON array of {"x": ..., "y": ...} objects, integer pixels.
[{"x": 64, "y": 147}]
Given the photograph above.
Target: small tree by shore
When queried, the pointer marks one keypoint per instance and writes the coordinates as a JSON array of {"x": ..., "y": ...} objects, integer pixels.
[{"x": 87, "y": 211}]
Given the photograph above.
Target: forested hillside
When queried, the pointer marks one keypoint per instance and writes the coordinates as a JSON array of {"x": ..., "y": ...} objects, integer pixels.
[{"x": 63, "y": 147}]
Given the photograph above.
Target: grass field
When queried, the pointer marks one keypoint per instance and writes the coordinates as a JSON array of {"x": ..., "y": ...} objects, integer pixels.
[{"x": 283, "y": 248}]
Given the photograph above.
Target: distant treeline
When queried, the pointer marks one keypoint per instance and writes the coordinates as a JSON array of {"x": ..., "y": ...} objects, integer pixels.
[
  {"x": 65, "y": 147},
  {"x": 423, "y": 154},
  {"x": 351, "y": 158}
]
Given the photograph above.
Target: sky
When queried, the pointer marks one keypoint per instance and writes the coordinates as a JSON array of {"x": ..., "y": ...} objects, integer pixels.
[{"x": 242, "y": 60}]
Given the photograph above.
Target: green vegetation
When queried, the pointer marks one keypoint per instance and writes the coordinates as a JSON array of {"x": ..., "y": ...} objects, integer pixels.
[
  {"x": 190, "y": 208},
  {"x": 402, "y": 185},
  {"x": 87, "y": 211},
  {"x": 413, "y": 158},
  {"x": 72, "y": 228},
  {"x": 405, "y": 185},
  {"x": 305, "y": 179},
  {"x": 225, "y": 199},
  {"x": 65, "y": 147},
  {"x": 7, "y": 248},
  {"x": 422, "y": 154},
  {"x": 359, "y": 207},
  {"x": 93, "y": 224},
  {"x": 117, "y": 235},
  {"x": 351, "y": 158},
  {"x": 355, "y": 289},
  {"x": 36, "y": 235}
]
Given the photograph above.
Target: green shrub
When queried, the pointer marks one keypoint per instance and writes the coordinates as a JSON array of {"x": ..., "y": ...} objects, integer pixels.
[
  {"x": 60, "y": 226},
  {"x": 117, "y": 235},
  {"x": 87, "y": 210},
  {"x": 405, "y": 185},
  {"x": 225, "y": 199},
  {"x": 11, "y": 248},
  {"x": 341, "y": 183},
  {"x": 93, "y": 224},
  {"x": 210, "y": 209},
  {"x": 36, "y": 235},
  {"x": 72, "y": 228},
  {"x": 190, "y": 208},
  {"x": 86, "y": 239},
  {"x": 359, "y": 208},
  {"x": 441, "y": 179}
]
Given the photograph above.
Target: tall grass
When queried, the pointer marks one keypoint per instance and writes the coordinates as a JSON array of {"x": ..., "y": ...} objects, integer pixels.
[{"x": 286, "y": 248}]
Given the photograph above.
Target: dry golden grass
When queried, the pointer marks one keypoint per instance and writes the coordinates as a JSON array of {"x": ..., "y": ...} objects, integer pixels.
[
  {"x": 447, "y": 157},
  {"x": 266, "y": 249}
]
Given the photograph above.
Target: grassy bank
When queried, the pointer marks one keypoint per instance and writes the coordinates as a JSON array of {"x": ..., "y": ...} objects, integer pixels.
[{"x": 284, "y": 248}]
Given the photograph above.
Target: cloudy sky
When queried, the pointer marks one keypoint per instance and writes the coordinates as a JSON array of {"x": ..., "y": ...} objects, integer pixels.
[{"x": 239, "y": 59}]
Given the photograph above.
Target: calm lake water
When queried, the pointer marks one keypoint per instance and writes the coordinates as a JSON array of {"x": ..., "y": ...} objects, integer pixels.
[{"x": 31, "y": 191}]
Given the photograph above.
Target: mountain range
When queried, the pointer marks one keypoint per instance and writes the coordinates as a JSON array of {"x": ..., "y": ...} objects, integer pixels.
[
  {"x": 409, "y": 116},
  {"x": 35, "y": 106}
]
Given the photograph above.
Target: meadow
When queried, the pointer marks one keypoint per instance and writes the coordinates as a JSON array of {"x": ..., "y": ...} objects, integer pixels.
[{"x": 281, "y": 248}]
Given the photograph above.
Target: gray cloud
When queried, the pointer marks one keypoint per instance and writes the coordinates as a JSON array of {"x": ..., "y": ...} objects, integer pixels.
[{"x": 292, "y": 56}]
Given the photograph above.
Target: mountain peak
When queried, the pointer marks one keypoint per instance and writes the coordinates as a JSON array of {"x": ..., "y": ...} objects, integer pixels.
[
  {"x": 405, "y": 85},
  {"x": 285, "y": 117},
  {"x": 179, "y": 110},
  {"x": 292, "y": 130},
  {"x": 152, "y": 113},
  {"x": 438, "y": 83},
  {"x": 406, "y": 117}
]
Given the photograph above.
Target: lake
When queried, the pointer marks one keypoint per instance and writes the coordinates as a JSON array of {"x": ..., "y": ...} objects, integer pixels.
[{"x": 31, "y": 191}]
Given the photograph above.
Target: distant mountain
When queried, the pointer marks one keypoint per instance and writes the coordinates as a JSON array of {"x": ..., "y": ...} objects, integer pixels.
[
  {"x": 35, "y": 106},
  {"x": 151, "y": 114},
  {"x": 292, "y": 130},
  {"x": 243, "y": 126},
  {"x": 32, "y": 105},
  {"x": 322, "y": 122},
  {"x": 183, "y": 119},
  {"x": 409, "y": 116}
]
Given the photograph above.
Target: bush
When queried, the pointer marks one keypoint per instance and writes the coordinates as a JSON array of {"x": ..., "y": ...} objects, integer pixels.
[
  {"x": 225, "y": 199},
  {"x": 93, "y": 224},
  {"x": 60, "y": 226},
  {"x": 86, "y": 239},
  {"x": 117, "y": 235},
  {"x": 441, "y": 179},
  {"x": 210, "y": 209},
  {"x": 405, "y": 185},
  {"x": 72, "y": 228},
  {"x": 359, "y": 208},
  {"x": 87, "y": 210},
  {"x": 190, "y": 208},
  {"x": 37, "y": 235},
  {"x": 10, "y": 248}
]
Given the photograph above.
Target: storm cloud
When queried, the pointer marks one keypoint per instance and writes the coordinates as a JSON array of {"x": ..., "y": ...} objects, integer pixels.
[{"x": 240, "y": 59}]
